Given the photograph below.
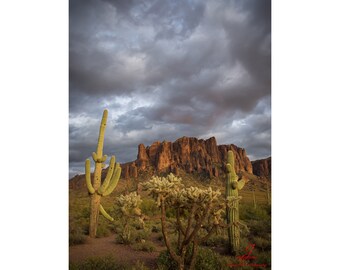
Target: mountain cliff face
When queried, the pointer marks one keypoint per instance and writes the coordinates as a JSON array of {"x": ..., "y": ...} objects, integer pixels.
[
  {"x": 187, "y": 154},
  {"x": 262, "y": 167}
]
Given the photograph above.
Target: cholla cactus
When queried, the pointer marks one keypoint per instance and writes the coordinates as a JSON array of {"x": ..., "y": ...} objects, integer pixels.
[
  {"x": 130, "y": 204},
  {"x": 161, "y": 187},
  {"x": 97, "y": 190},
  {"x": 204, "y": 214},
  {"x": 129, "y": 210}
]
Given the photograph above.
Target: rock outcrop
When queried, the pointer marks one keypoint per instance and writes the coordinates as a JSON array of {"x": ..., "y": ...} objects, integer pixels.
[
  {"x": 187, "y": 154},
  {"x": 262, "y": 167}
]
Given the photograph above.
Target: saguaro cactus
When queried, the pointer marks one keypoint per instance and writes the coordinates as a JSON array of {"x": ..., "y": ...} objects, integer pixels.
[
  {"x": 232, "y": 188},
  {"x": 98, "y": 189}
]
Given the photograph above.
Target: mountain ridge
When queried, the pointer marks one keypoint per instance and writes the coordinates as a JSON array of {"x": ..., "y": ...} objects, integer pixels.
[{"x": 189, "y": 155}]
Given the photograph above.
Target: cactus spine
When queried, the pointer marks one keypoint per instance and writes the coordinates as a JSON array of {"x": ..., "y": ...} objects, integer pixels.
[
  {"x": 97, "y": 190},
  {"x": 232, "y": 188}
]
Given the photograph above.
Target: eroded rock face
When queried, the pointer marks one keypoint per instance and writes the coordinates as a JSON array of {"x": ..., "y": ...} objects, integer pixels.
[
  {"x": 188, "y": 154},
  {"x": 142, "y": 157},
  {"x": 262, "y": 167}
]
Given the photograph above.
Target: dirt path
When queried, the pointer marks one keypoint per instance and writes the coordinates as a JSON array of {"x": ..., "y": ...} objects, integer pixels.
[{"x": 123, "y": 254}]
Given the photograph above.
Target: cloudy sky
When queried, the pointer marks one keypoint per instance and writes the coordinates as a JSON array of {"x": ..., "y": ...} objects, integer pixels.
[{"x": 166, "y": 69}]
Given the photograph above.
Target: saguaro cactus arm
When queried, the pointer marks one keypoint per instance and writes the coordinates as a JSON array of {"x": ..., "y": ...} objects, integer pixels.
[
  {"x": 231, "y": 174},
  {"x": 88, "y": 176},
  {"x": 241, "y": 183},
  {"x": 107, "y": 180},
  {"x": 104, "y": 213},
  {"x": 114, "y": 180}
]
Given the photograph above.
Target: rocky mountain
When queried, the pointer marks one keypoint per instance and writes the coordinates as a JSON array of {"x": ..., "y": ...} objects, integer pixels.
[
  {"x": 187, "y": 154},
  {"x": 262, "y": 167}
]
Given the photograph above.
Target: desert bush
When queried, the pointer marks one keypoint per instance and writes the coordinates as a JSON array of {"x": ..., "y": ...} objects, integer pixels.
[
  {"x": 103, "y": 231},
  {"x": 97, "y": 263},
  {"x": 149, "y": 207},
  {"x": 132, "y": 236},
  {"x": 139, "y": 266},
  {"x": 164, "y": 261},
  {"x": 206, "y": 260},
  {"x": 216, "y": 240},
  {"x": 262, "y": 243},
  {"x": 263, "y": 258},
  {"x": 76, "y": 238},
  {"x": 147, "y": 246},
  {"x": 259, "y": 228},
  {"x": 248, "y": 212},
  {"x": 156, "y": 228}
]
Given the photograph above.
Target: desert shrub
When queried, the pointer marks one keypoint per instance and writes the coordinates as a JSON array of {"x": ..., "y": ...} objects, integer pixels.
[
  {"x": 132, "y": 236},
  {"x": 248, "y": 212},
  {"x": 102, "y": 230},
  {"x": 85, "y": 212},
  {"x": 98, "y": 263},
  {"x": 164, "y": 261},
  {"x": 139, "y": 266},
  {"x": 262, "y": 243},
  {"x": 206, "y": 260},
  {"x": 259, "y": 228},
  {"x": 263, "y": 258},
  {"x": 147, "y": 246},
  {"x": 149, "y": 207},
  {"x": 156, "y": 228},
  {"x": 216, "y": 240},
  {"x": 76, "y": 238}
]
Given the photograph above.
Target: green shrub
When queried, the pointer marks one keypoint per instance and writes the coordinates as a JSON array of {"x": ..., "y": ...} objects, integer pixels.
[
  {"x": 97, "y": 263},
  {"x": 264, "y": 258},
  {"x": 206, "y": 260},
  {"x": 216, "y": 240},
  {"x": 139, "y": 266},
  {"x": 103, "y": 231},
  {"x": 76, "y": 239},
  {"x": 262, "y": 243},
  {"x": 85, "y": 212},
  {"x": 147, "y": 246},
  {"x": 132, "y": 235},
  {"x": 164, "y": 261},
  {"x": 149, "y": 207},
  {"x": 156, "y": 228},
  {"x": 248, "y": 212},
  {"x": 259, "y": 228}
]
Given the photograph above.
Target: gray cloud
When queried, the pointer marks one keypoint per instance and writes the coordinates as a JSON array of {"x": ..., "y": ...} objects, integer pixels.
[{"x": 167, "y": 69}]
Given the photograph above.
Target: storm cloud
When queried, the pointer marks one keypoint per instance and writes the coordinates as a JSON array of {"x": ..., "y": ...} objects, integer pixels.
[{"x": 167, "y": 69}]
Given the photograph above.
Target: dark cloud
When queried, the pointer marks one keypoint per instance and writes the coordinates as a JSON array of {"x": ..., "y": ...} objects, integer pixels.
[{"x": 167, "y": 69}]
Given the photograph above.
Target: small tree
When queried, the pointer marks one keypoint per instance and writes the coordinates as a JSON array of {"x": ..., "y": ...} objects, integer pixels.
[{"x": 198, "y": 214}]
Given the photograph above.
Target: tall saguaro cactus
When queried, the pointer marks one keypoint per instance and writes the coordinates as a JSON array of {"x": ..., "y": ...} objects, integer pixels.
[
  {"x": 232, "y": 188},
  {"x": 98, "y": 189}
]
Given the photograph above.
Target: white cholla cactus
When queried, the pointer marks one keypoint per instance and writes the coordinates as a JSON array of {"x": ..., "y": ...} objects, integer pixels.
[
  {"x": 130, "y": 204},
  {"x": 162, "y": 186}
]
